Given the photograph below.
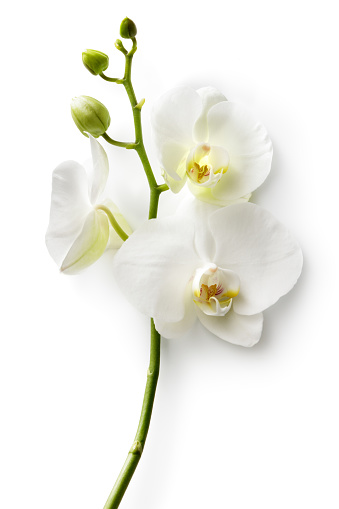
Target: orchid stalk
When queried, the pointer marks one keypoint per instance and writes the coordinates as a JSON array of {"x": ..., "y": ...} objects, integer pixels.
[
  {"x": 136, "y": 449},
  {"x": 138, "y": 145},
  {"x": 82, "y": 225}
]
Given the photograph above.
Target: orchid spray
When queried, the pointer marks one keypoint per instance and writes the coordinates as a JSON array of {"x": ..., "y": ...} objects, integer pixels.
[{"x": 218, "y": 259}]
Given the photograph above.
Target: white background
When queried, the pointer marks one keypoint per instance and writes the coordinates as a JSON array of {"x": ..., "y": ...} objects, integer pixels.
[{"x": 232, "y": 428}]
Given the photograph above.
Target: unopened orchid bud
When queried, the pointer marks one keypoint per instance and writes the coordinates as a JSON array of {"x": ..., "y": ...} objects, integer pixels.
[
  {"x": 118, "y": 44},
  {"x": 128, "y": 30},
  {"x": 95, "y": 61},
  {"x": 90, "y": 116}
]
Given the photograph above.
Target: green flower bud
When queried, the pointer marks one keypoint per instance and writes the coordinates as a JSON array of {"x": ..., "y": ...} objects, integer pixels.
[
  {"x": 95, "y": 61},
  {"x": 118, "y": 45},
  {"x": 128, "y": 30},
  {"x": 90, "y": 116}
]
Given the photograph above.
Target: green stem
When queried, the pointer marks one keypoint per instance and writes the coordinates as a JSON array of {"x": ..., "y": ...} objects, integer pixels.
[
  {"x": 154, "y": 199},
  {"x": 163, "y": 187},
  {"x": 135, "y": 452},
  {"x": 153, "y": 371},
  {"x": 122, "y": 234},
  {"x": 122, "y": 144},
  {"x": 153, "y": 203},
  {"x": 112, "y": 80},
  {"x": 140, "y": 148}
]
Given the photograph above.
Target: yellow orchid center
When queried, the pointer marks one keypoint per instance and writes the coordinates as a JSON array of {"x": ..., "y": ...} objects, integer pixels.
[
  {"x": 199, "y": 174},
  {"x": 214, "y": 288},
  {"x": 206, "y": 292},
  {"x": 206, "y": 164}
]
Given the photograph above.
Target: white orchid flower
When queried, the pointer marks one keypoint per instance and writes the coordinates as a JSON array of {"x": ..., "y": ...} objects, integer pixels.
[
  {"x": 212, "y": 143},
  {"x": 223, "y": 268},
  {"x": 79, "y": 230}
]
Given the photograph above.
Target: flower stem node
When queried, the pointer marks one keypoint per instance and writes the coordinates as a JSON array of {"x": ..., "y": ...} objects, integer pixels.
[
  {"x": 128, "y": 30},
  {"x": 136, "y": 448},
  {"x": 95, "y": 61},
  {"x": 140, "y": 104},
  {"x": 90, "y": 116}
]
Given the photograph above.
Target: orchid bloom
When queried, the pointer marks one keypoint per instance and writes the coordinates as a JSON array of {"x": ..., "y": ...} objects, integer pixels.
[
  {"x": 222, "y": 267},
  {"x": 211, "y": 143},
  {"x": 79, "y": 230}
]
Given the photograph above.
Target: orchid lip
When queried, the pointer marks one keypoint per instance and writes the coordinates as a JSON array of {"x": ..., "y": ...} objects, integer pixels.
[
  {"x": 206, "y": 164},
  {"x": 214, "y": 288}
]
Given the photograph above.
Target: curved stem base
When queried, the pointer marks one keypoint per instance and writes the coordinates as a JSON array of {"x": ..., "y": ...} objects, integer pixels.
[{"x": 135, "y": 452}]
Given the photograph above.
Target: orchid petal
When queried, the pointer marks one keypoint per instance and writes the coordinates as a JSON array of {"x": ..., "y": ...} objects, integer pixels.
[
  {"x": 248, "y": 145},
  {"x": 209, "y": 96},
  {"x": 69, "y": 208},
  {"x": 154, "y": 266},
  {"x": 234, "y": 328},
  {"x": 89, "y": 245},
  {"x": 199, "y": 212},
  {"x": 257, "y": 247},
  {"x": 174, "y": 114},
  {"x": 207, "y": 195},
  {"x": 173, "y": 330},
  {"x": 174, "y": 185},
  {"x": 172, "y": 157},
  {"x": 100, "y": 170},
  {"x": 218, "y": 158},
  {"x": 173, "y": 119}
]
